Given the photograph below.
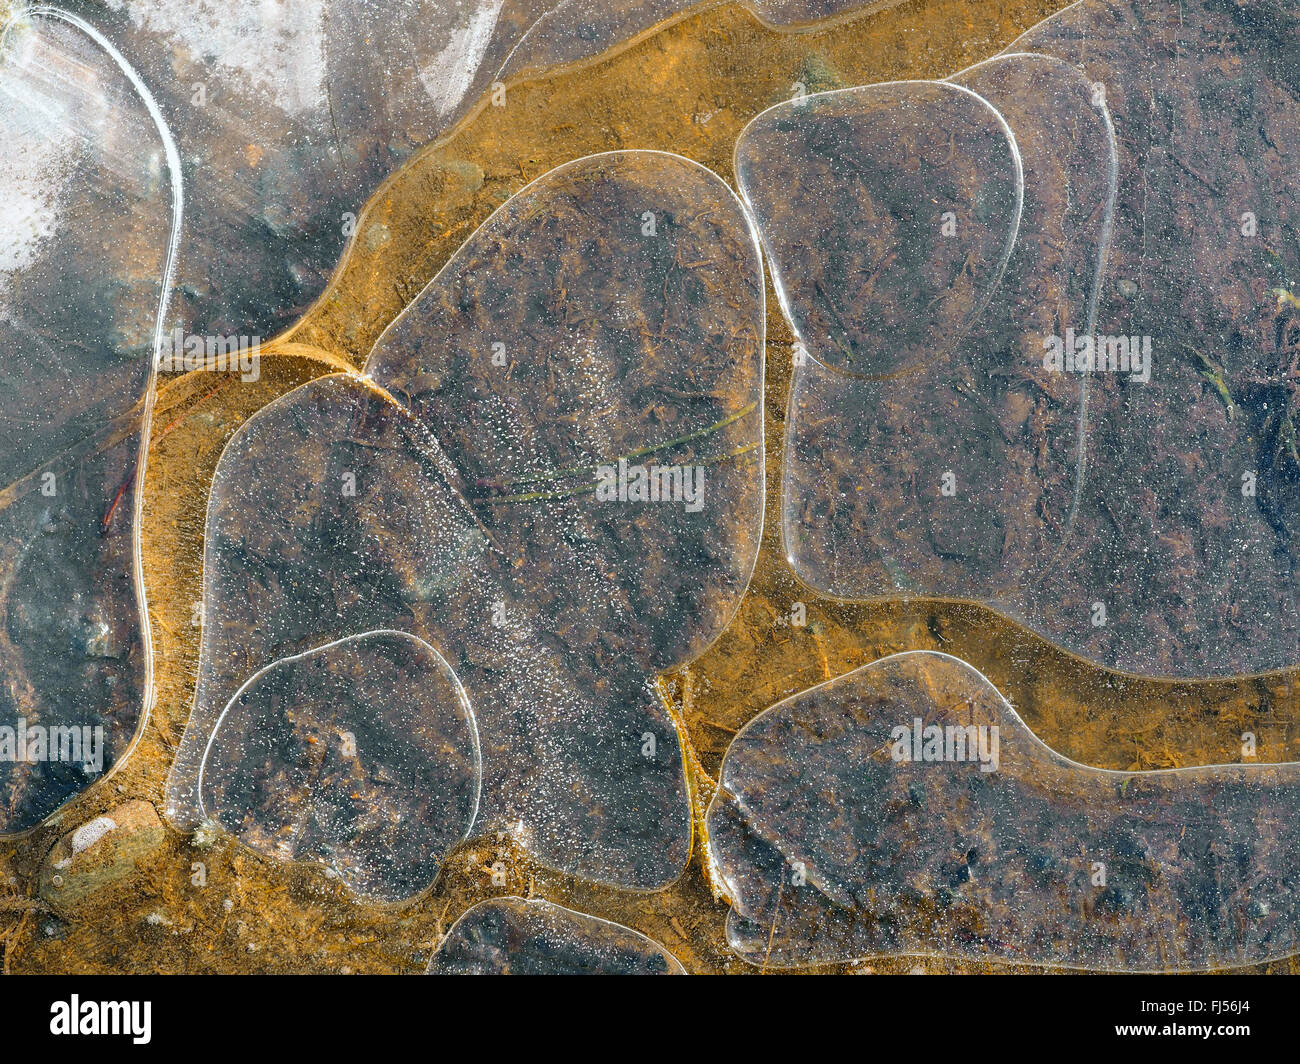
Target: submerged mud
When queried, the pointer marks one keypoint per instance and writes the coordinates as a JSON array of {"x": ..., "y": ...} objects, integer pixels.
[{"x": 689, "y": 88}]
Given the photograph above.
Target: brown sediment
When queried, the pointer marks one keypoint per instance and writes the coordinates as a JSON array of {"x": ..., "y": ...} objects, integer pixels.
[{"x": 688, "y": 88}]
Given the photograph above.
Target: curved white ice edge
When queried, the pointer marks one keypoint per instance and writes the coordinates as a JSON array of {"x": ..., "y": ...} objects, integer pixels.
[
  {"x": 1103, "y": 256},
  {"x": 729, "y": 890},
  {"x": 180, "y": 800},
  {"x": 1038, "y": 744},
  {"x": 442, "y": 138},
  {"x": 672, "y": 13},
  {"x": 755, "y": 244},
  {"x": 782, "y": 297},
  {"x": 290, "y": 659},
  {"x": 543, "y": 903},
  {"x": 21, "y": 19},
  {"x": 542, "y": 22},
  {"x": 1103, "y": 244}
]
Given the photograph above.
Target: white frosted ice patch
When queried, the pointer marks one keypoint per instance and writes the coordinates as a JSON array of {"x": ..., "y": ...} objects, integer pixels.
[
  {"x": 34, "y": 167},
  {"x": 276, "y": 46}
]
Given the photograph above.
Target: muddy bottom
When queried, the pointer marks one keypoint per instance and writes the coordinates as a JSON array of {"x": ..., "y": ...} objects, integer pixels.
[{"x": 199, "y": 904}]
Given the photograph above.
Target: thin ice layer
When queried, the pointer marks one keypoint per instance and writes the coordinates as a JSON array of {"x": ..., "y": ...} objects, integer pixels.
[
  {"x": 330, "y": 517},
  {"x": 572, "y": 30},
  {"x": 361, "y": 755},
  {"x": 531, "y": 936},
  {"x": 1185, "y": 536},
  {"x": 516, "y": 539},
  {"x": 874, "y": 201},
  {"x": 905, "y": 808},
  {"x": 1178, "y": 555},
  {"x": 291, "y": 113},
  {"x": 959, "y": 477},
  {"x": 598, "y": 340},
  {"x": 88, "y": 214}
]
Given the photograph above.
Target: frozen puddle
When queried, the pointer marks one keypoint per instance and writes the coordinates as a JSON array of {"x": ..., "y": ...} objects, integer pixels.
[
  {"x": 90, "y": 211},
  {"x": 904, "y": 808},
  {"x": 291, "y": 113},
  {"x": 361, "y": 755},
  {"x": 954, "y": 471}
]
